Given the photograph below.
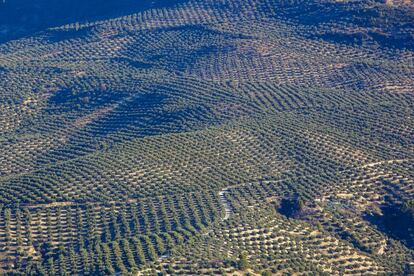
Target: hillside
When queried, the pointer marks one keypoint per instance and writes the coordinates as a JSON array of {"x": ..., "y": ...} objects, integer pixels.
[
  {"x": 20, "y": 18},
  {"x": 207, "y": 137}
]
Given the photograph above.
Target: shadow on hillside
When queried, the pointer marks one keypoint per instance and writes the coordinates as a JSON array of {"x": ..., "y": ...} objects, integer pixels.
[{"x": 395, "y": 222}]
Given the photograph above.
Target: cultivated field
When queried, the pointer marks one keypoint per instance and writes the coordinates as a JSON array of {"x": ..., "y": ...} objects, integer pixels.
[{"x": 211, "y": 137}]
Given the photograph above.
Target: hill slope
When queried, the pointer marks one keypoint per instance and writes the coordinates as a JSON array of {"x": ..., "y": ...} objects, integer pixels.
[{"x": 209, "y": 137}]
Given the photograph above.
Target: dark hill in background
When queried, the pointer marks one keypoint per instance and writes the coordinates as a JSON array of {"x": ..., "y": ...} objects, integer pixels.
[{"x": 21, "y": 17}]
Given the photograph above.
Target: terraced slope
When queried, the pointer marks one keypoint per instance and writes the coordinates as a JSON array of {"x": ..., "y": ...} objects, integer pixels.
[{"x": 211, "y": 137}]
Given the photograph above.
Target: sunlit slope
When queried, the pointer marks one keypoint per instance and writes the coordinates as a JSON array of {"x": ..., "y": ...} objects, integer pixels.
[{"x": 185, "y": 138}]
